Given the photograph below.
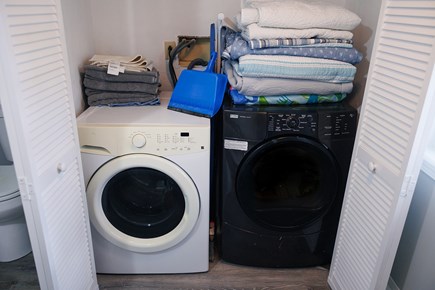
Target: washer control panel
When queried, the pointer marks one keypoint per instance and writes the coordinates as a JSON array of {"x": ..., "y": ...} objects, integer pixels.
[
  {"x": 119, "y": 140},
  {"x": 166, "y": 141},
  {"x": 303, "y": 123}
]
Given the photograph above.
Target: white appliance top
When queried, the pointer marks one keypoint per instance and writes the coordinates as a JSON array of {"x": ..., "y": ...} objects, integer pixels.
[
  {"x": 142, "y": 129},
  {"x": 158, "y": 115},
  {"x": 8, "y": 182}
]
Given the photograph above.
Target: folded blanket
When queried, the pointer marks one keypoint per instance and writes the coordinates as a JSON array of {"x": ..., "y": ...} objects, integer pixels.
[
  {"x": 239, "y": 47},
  {"x": 99, "y": 73},
  {"x": 283, "y": 66},
  {"x": 240, "y": 99},
  {"x": 311, "y": 42},
  {"x": 279, "y": 86},
  {"x": 299, "y": 14},
  {"x": 253, "y": 31},
  {"x": 121, "y": 86},
  {"x": 117, "y": 99}
]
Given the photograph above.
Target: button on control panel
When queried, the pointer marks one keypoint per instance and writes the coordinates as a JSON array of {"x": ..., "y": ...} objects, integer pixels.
[
  {"x": 304, "y": 123},
  {"x": 340, "y": 124}
]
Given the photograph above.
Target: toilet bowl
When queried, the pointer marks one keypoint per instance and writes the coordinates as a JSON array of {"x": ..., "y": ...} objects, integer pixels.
[{"x": 14, "y": 237}]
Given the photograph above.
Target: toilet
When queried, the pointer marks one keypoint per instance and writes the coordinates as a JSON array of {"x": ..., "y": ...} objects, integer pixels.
[{"x": 14, "y": 237}]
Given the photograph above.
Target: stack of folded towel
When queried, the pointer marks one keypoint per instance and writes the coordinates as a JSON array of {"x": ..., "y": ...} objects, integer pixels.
[
  {"x": 134, "y": 82},
  {"x": 291, "y": 52}
]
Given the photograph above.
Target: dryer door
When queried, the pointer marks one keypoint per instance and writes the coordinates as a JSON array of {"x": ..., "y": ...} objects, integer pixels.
[
  {"x": 142, "y": 202},
  {"x": 287, "y": 182}
]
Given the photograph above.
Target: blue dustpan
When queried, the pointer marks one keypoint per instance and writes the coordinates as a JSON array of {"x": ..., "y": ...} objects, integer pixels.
[{"x": 199, "y": 92}]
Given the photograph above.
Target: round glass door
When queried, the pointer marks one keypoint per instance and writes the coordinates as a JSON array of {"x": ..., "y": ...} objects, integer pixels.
[
  {"x": 143, "y": 202},
  {"x": 287, "y": 182}
]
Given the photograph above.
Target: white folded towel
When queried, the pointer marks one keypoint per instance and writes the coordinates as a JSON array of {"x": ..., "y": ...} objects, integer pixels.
[
  {"x": 135, "y": 63},
  {"x": 120, "y": 58},
  {"x": 299, "y": 14}
]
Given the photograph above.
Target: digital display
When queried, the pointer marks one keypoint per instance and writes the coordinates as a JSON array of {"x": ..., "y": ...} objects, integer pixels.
[{"x": 184, "y": 134}]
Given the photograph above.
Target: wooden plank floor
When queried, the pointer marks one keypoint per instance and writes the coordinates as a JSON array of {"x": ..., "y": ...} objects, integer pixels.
[{"x": 21, "y": 274}]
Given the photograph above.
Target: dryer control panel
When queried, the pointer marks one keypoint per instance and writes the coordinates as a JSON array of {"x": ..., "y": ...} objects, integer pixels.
[
  {"x": 338, "y": 124},
  {"x": 325, "y": 124},
  {"x": 294, "y": 122}
]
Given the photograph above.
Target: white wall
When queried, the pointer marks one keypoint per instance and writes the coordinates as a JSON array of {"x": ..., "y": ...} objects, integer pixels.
[
  {"x": 80, "y": 43},
  {"x": 415, "y": 259},
  {"x": 364, "y": 36},
  {"x": 131, "y": 27},
  {"x": 140, "y": 27}
]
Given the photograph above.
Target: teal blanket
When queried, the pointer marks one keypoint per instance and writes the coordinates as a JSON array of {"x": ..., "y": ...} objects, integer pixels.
[
  {"x": 283, "y": 66},
  {"x": 240, "y": 99}
]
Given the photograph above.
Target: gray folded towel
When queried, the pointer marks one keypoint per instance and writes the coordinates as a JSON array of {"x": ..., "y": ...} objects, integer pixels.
[
  {"x": 112, "y": 99},
  {"x": 100, "y": 73},
  {"x": 121, "y": 86}
]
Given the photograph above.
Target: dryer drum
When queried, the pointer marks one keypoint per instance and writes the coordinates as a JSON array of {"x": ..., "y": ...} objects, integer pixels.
[{"x": 288, "y": 183}]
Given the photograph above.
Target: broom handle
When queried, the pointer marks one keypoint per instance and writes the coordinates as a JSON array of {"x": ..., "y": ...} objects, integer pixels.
[
  {"x": 210, "y": 65},
  {"x": 220, "y": 20}
]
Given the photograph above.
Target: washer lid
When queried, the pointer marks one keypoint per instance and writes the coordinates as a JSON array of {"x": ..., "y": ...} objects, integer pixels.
[{"x": 8, "y": 182}]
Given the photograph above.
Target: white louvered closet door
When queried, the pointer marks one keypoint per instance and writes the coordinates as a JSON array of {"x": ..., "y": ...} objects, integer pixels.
[
  {"x": 36, "y": 97},
  {"x": 398, "y": 108}
]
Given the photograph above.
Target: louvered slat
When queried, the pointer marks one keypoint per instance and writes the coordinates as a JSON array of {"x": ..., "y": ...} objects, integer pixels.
[
  {"x": 29, "y": 38},
  {"x": 69, "y": 237},
  {"x": 49, "y": 141},
  {"x": 363, "y": 237},
  {"x": 388, "y": 94},
  {"x": 401, "y": 67}
]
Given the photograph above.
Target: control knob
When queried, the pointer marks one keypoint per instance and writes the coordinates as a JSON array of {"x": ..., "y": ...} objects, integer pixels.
[
  {"x": 139, "y": 140},
  {"x": 292, "y": 122}
]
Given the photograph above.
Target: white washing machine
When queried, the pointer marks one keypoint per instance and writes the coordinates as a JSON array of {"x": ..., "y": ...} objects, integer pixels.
[{"x": 147, "y": 180}]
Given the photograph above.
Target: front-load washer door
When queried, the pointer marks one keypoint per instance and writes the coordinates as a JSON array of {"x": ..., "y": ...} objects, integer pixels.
[
  {"x": 287, "y": 182},
  {"x": 142, "y": 202}
]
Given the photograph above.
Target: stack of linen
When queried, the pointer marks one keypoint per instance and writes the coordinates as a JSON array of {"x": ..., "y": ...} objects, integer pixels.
[
  {"x": 121, "y": 81},
  {"x": 291, "y": 52}
]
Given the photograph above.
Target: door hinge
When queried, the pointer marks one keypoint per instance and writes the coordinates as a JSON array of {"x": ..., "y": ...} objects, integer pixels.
[
  {"x": 26, "y": 189},
  {"x": 409, "y": 184}
]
